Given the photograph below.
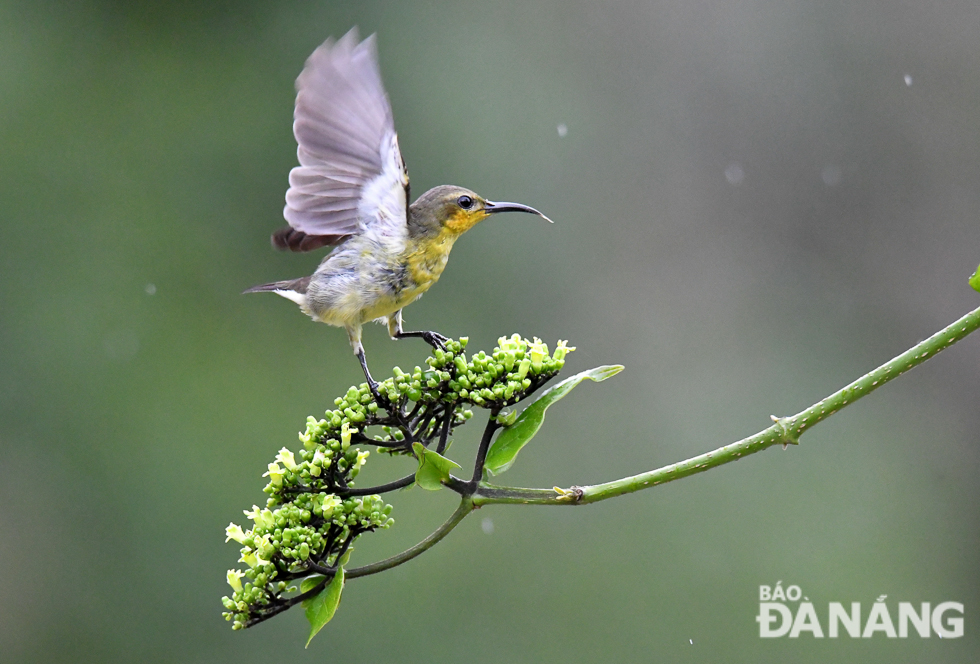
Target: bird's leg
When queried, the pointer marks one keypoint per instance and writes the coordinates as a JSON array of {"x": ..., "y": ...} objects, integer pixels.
[
  {"x": 372, "y": 384},
  {"x": 434, "y": 339},
  {"x": 354, "y": 334}
]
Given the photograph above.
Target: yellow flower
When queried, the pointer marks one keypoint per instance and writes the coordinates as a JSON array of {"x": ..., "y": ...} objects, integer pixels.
[
  {"x": 345, "y": 433},
  {"x": 235, "y": 580},
  {"x": 275, "y": 474},
  {"x": 235, "y": 532},
  {"x": 286, "y": 458},
  {"x": 562, "y": 350},
  {"x": 330, "y": 504},
  {"x": 249, "y": 557}
]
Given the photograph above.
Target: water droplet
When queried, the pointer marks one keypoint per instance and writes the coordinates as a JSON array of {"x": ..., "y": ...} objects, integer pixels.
[
  {"x": 562, "y": 130},
  {"x": 908, "y": 80},
  {"x": 487, "y": 525},
  {"x": 734, "y": 173},
  {"x": 151, "y": 289}
]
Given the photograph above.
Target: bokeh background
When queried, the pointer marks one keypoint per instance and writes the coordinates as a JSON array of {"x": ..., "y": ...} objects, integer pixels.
[{"x": 756, "y": 202}]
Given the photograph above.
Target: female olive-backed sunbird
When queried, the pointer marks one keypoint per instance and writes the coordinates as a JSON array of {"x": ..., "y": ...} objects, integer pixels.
[{"x": 351, "y": 191}]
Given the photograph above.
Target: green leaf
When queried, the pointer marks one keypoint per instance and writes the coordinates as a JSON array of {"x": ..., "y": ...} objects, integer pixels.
[
  {"x": 975, "y": 280},
  {"x": 309, "y": 583},
  {"x": 517, "y": 435},
  {"x": 322, "y": 607},
  {"x": 433, "y": 468}
]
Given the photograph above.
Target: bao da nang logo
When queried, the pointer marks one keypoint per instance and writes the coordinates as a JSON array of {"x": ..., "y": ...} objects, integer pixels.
[{"x": 788, "y": 613}]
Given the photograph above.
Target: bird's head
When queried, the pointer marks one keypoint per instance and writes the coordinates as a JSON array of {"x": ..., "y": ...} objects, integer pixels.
[{"x": 451, "y": 211}]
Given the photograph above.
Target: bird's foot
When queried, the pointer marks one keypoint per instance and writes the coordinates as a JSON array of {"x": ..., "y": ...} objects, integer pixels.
[
  {"x": 382, "y": 399},
  {"x": 435, "y": 339},
  {"x": 373, "y": 386}
]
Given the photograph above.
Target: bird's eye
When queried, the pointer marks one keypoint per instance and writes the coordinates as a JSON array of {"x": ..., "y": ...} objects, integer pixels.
[{"x": 464, "y": 202}]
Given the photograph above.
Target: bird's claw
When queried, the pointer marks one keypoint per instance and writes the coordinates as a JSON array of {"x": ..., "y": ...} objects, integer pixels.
[
  {"x": 373, "y": 386},
  {"x": 435, "y": 339}
]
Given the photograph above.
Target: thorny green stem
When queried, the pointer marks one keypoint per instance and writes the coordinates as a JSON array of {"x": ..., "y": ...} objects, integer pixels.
[{"x": 784, "y": 431}]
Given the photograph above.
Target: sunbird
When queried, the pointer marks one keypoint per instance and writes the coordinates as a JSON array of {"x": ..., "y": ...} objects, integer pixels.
[{"x": 351, "y": 192}]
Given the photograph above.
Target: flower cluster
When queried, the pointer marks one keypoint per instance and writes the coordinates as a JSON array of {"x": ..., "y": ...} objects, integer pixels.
[
  {"x": 313, "y": 513},
  {"x": 301, "y": 531},
  {"x": 514, "y": 368},
  {"x": 502, "y": 378}
]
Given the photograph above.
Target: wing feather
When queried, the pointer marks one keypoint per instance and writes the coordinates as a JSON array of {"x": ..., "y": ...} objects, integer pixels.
[{"x": 351, "y": 178}]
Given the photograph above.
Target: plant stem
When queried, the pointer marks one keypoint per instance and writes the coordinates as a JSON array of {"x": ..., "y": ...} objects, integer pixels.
[
  {"x": 465, "y": 507},
  {"x": 784, "y": 431},
  {"x": 481, "y": 453},
  {"x": 381, "y": 488}
]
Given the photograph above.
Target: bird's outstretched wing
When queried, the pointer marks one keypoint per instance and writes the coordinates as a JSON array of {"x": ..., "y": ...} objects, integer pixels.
[{"x": 351, "y": 176}]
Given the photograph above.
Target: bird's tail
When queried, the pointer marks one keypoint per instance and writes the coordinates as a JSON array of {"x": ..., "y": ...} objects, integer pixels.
[{"x": 297, "y": 286}]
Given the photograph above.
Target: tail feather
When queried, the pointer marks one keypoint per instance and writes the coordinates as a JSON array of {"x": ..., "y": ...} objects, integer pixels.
[{"x": 298, "y": 286}]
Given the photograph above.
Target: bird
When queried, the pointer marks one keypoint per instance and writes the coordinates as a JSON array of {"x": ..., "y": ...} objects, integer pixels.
[{"x": 351, "y": 192}]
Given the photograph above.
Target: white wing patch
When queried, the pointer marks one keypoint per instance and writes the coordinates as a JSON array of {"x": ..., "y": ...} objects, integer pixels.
[{"x": 382, "y": 207}]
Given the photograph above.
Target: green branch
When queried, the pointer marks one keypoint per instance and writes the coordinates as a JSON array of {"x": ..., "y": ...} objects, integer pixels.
[
  {"x": 784, "y": 431},
  {"x": 314, "y": 513},
  {"x": 465, "y": 507}
]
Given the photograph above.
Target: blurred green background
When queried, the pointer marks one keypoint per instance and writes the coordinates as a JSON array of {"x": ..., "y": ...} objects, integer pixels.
[{"x": 755, "y": 202}]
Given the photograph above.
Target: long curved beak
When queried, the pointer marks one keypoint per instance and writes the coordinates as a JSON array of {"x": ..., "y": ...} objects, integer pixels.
[{"x": 493, "y": 208}]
